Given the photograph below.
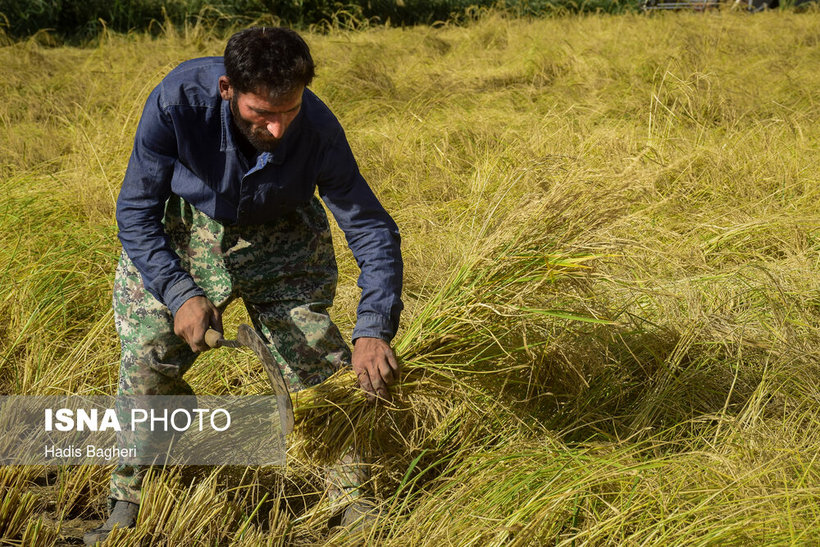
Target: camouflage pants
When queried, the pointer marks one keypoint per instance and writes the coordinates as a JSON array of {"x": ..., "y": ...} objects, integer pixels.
[{"x": 285, "y": 273}]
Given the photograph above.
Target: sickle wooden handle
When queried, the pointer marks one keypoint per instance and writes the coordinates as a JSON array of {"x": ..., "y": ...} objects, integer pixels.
[{"x": 214, "y": 338}]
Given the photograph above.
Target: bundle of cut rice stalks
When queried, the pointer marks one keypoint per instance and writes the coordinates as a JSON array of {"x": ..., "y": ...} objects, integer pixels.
[{"x": 473, "y": 337}]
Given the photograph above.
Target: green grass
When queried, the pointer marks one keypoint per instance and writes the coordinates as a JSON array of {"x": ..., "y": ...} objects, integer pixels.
[{"x": 611, "y": 233}]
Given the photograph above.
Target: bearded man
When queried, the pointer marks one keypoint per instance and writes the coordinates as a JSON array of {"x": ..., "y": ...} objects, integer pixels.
[{"x": 218, "y": 202}]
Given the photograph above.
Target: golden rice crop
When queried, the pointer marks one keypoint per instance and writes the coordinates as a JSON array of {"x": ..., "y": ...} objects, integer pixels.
[{"x": 611, "y": 233}]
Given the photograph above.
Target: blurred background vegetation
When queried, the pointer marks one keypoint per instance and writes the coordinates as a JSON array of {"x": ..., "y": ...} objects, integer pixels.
[{"x": 83, "y": 19}]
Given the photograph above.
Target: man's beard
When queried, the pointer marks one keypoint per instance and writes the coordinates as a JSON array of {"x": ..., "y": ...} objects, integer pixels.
[{"x": 260, "y": 139}]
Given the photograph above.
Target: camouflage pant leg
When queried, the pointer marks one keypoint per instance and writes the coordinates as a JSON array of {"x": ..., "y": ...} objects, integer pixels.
[
  {"x": 286, "y": 277},
  {"x": 153, "y": 358},
  {"x": 287, "y": 299},
  {"x": 345, "y": 480}
]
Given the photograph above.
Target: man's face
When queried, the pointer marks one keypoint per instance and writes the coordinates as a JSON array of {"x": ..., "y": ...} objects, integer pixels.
[{"x": 261, "y": 119}]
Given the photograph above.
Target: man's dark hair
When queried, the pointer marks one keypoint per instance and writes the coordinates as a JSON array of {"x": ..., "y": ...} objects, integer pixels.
[{"x": 275, "y": 61}]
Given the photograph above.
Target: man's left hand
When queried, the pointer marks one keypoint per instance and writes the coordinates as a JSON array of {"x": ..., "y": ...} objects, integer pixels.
[{"x": 375, "y": 366}]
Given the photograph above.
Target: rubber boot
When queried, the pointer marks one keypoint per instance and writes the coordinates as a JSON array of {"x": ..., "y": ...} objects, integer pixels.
[{"x": 123, "y": 515}]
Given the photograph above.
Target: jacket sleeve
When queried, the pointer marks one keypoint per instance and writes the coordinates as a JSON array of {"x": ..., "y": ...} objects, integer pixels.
[
  {"x": 141, "y": 205},
  {"x": 372, "y": 236}
]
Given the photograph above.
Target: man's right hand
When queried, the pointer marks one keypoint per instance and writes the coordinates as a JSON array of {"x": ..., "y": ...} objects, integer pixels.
[{"x": 192, "y": 320}]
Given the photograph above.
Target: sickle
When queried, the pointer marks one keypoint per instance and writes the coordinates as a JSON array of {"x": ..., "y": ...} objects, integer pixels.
[{"x": 248, "y": 337}]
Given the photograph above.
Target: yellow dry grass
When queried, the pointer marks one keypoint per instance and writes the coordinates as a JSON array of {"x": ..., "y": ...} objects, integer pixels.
[{"x": 612, "y": 237}]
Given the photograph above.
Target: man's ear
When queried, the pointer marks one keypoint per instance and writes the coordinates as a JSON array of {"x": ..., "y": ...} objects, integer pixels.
[{"x": 225, "y": 89}]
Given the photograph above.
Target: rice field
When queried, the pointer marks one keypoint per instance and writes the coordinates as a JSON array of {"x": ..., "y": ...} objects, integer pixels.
[{"x": 611, "y": 235}]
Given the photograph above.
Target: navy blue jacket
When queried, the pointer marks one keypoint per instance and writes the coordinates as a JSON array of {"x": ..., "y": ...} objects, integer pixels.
[{"x": 185, "y": 146}]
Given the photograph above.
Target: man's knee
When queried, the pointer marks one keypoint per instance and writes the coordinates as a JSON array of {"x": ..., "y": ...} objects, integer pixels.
[{"x": 305, "y": 337}]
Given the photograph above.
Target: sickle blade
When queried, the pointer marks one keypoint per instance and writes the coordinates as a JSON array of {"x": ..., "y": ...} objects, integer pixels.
[{"x": 247, "y": 336}]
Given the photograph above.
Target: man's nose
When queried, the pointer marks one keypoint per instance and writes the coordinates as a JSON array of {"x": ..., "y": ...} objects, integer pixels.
[{"x": 276, "y": 128}]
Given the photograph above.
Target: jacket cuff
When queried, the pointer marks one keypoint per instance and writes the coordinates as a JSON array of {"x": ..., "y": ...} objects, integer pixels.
[
  {"x": 180, "y": 292},
  {"x": 373, "y": 325}
]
